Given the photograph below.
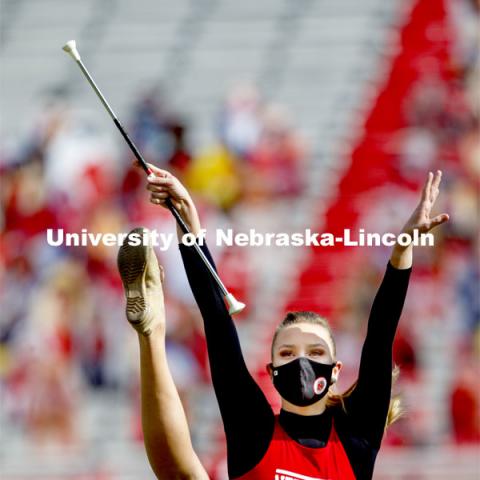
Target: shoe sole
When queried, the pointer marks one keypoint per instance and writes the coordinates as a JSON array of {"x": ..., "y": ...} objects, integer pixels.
[{"x": 132, "y": 265}]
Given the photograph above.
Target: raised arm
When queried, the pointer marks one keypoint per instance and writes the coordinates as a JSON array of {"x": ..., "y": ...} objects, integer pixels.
[
  {"x": 369, "y": 403},
  {"x": 247, "y": 416}
]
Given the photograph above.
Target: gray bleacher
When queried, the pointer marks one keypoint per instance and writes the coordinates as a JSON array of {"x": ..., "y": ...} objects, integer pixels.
[{"x": 304, "y": 53}]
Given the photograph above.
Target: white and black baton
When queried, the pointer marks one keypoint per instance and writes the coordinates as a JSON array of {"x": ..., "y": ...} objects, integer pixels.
[{"x": 234, "y": 306}]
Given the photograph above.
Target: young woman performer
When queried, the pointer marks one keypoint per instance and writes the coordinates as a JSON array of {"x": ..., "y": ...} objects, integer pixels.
[
  {"x": 165, "y": 429},
  {"x": 318, "y": 434}
]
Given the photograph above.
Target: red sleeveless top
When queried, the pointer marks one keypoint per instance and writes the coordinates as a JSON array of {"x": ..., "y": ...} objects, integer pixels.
[{"x": 288, "y": 460}]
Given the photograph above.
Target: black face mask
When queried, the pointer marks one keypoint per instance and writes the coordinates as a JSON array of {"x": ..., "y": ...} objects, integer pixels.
[{"x": 302, "y": 381}]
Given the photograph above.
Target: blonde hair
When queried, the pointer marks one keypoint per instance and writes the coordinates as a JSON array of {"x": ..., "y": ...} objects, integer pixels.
[{"x": 395, "y": 410}]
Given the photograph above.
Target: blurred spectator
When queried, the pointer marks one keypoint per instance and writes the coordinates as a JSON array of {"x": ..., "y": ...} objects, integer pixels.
[
  {"x": 275, "y": 165},
  {"x": 240, "y": 121},
  {"x": 465, "y": 404},
  {"x": 404, "y": 354},
  {"x": 52, "y": 414},
  {"x": 159, "y": 133},
  {"x": 214, "y": 174}
]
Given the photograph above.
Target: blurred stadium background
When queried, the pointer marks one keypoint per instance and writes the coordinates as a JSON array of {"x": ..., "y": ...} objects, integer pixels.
[{"x": 279, "y": 115}]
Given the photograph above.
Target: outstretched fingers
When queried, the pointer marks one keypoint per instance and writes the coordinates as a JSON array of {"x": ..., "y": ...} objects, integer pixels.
[
  {"x": 430, "y": 192},
  {"x": 426, "y": 191},
  {"x": 438, "y": 220},
  {"x": 434, "y": 190},
  {"x": 425, "y": 205},
  {"x": 427, "y": 187}
]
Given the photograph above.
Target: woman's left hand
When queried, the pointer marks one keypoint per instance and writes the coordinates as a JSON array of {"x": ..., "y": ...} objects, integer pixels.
[{"x": 421, "y": 219}]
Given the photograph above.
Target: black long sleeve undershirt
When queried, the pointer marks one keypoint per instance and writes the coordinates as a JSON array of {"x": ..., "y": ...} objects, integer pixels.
[{"x": 247, "y": 416}]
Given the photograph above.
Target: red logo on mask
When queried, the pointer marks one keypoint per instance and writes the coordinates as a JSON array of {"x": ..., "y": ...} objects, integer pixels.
[{"x": 320, "y": 385}]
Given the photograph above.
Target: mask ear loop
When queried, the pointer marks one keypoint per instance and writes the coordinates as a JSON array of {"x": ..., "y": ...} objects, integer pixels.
[
  {"x": 334, "y": 377},
  {"x": 272, "y": 369}
]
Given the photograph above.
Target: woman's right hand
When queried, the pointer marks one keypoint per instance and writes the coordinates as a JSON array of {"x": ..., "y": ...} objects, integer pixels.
[{"x": 162, "y": 185}]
